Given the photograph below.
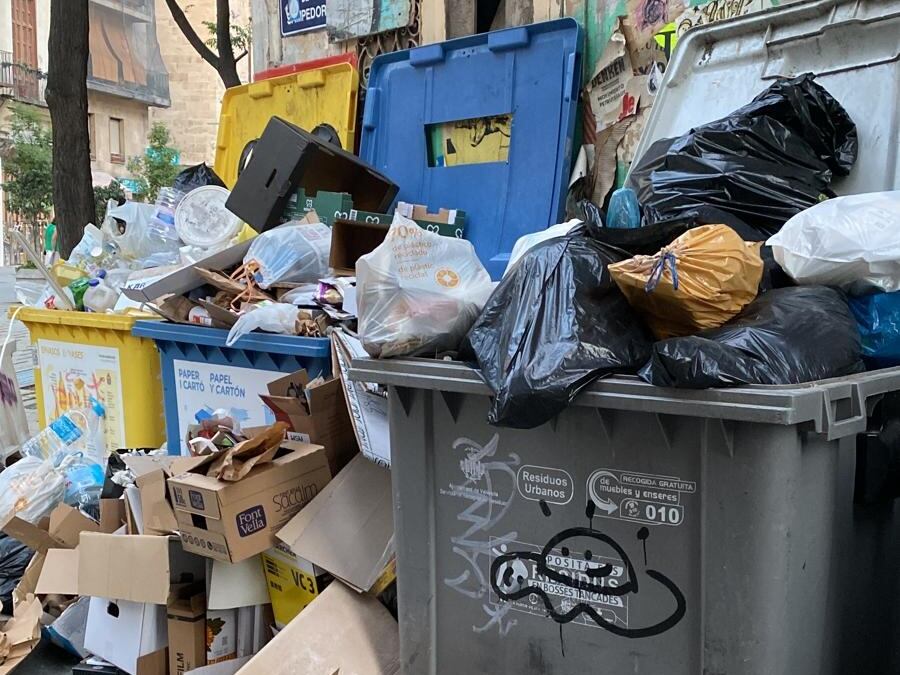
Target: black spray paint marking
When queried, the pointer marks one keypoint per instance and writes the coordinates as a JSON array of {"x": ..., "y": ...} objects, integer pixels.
[
  {"x": 643, "y": 534},
  {"x": 483, "y": 513},
  {"x": 545, "y": 509},
  {"x": 502, "y": 583}
]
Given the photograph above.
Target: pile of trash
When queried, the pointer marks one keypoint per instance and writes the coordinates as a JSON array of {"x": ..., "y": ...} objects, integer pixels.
[
  {"x": 726, "y": 261},
  {"x": 145, "y": 563}
]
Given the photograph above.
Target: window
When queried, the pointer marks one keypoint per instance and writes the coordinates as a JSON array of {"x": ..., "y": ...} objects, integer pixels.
[
  {"x": 116, "y": 140},
  {"x": 92, "y": 135}
]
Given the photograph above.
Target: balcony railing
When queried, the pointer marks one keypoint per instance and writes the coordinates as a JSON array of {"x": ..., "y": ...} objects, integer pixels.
[{"x": 21, "y": 82}]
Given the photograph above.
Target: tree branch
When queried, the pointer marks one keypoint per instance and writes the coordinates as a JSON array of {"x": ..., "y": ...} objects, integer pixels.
[
  {"x": 238, "y": 58},
  {"x": 190, "y": 34}
]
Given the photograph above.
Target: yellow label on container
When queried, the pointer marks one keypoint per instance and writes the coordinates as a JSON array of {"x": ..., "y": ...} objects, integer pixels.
[{"x": 291, "y": 588}]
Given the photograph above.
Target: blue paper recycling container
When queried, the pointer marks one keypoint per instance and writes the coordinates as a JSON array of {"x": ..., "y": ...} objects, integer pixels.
[{"x": 200, "y": 374}]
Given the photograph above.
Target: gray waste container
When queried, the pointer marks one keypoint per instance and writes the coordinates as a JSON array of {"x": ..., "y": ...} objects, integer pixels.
[{"x": 655, "y": 531}]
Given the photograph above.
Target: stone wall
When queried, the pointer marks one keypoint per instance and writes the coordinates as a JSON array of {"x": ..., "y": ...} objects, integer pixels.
[
  {"x": 136, "y": 119},
  {"x": 194, "y": 85}
]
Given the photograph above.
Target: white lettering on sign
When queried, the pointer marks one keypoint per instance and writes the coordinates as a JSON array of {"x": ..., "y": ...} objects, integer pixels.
[{"x": 638, "y": 497}]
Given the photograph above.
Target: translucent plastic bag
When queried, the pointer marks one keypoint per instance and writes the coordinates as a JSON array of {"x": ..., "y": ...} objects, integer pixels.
[
  {"x": 274, "y": 318},
  {"x": 699, "y": 281},
  {"x": 851, "y": 242},
  {"x": 130, "y": 226},
  {"x": 30, "y": 489},
  {"x": 293, "y": 252},
  {"x": 418, "y": 292}
]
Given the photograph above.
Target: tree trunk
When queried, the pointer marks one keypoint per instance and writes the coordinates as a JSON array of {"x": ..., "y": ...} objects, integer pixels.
[
  {"x": 224, "y": 62},
  {"x": 73, "y": 192}
]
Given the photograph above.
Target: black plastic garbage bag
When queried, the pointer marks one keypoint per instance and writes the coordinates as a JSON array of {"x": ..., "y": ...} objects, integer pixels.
[
  {"x": 785, "y": 336},
  {"x": 764, "y": 163},
  {"x": 14, "y": 558},
  {"x": 196, "y": 176},
  {"x": 555, "y": 323}
]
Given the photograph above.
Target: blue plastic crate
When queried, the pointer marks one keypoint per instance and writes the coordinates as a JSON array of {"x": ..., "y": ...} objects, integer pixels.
[
  {"x": 200, "y": 374},
  {"x": 529, "y": 74}
]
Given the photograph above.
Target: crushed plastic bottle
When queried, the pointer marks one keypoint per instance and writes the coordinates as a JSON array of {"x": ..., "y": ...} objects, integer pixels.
[
  {"x": 100, "y": 296},
  {"x": 84, "y": 483}
]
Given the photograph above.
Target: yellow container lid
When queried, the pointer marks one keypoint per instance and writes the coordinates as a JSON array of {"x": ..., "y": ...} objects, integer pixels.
[
  {"x": 61, "y": 317},
  {"x": 307, "y": 99}
]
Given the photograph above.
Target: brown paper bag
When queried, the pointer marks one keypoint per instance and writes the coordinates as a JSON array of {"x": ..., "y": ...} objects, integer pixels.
[
  {"x": 699, "y": 281},
  {"x": 237, "y": 462}
]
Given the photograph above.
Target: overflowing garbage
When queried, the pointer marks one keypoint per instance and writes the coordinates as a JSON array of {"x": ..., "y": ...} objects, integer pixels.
[{"x": 726, "y": 261}]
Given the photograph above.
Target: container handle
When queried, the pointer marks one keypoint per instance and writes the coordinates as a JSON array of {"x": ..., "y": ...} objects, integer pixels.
[{"x": 844, "y": 408}]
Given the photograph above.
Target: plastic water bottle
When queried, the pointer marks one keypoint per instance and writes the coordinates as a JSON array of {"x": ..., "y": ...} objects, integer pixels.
[
  {"x": 162, "y": 224},
  {"x": 624, "y": 211},
  {"x": 99, "y": 296},
  {"x": 73, "y": 432}
]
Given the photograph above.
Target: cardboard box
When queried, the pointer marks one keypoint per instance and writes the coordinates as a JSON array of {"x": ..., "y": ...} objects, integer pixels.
[
  {"x": 232, "y": 521},
  {"x": 348, "y": 529},
  {"x": 130, "y": 635},
  {"x": 340, "y": 632},
  {"x": 292, "y": 582},
  {"x": 287, "y": 158},
  {"x": 186, "y": 616},
  {"x": 149, "y": 507},
  {"x": 234, "y": 585},
  {"x": 61, "y": 530},
  {"x": 352, "y": 239},
  {"x": 327, "y": 423}
]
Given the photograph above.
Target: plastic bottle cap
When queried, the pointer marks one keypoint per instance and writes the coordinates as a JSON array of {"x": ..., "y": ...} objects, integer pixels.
[
  {"x": 94, "y": 282},
  {"x": 101, "y": 274}
]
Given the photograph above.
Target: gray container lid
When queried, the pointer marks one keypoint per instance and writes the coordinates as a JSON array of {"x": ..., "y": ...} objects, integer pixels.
[{"x": 853, "y": 47}]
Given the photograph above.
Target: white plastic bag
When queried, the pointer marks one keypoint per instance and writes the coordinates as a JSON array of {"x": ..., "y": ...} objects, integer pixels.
[
  {"x": 528, "y": 241},
  {"x": 30, "y": 489},
  {"x": 418, "y": 292},
  {"x": 852, "y": 242},
  {"x": 294, "y": 252},
  {"x": 275, "y": 318},
  {"x": 136, "y": 239}
]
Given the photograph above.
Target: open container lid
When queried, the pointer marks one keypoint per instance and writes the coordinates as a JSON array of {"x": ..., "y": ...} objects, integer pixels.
[
  {"x": 533, "y": 74},
  {"x": 852, "y": 47}
]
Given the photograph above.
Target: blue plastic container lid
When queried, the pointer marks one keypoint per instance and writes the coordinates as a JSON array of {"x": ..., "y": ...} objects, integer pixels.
[{"x": 532, "y": 73}]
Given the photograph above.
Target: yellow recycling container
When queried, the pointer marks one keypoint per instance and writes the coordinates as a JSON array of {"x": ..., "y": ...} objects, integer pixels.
[
  {"x": 319, "y": 97},
  {"x": 81, "y": 354}
]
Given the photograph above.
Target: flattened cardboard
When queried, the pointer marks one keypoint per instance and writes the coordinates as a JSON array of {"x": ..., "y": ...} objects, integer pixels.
[
  {"x": 233, "y": 585},
  {"x": 60, "y": 573},
  {"x": 339, "y": 632},
  {"x": 368, "y": 411},
  {"x": 234, "y": 521},
  {"x": 61, "y": 530},
  {"x": 187, "y": 278},
  {"x": 348, "y": 529},
  {"x": 67, "y": 524},
  {"x": 223, "y": 668},
  {"x": 104, "y": 562}
]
